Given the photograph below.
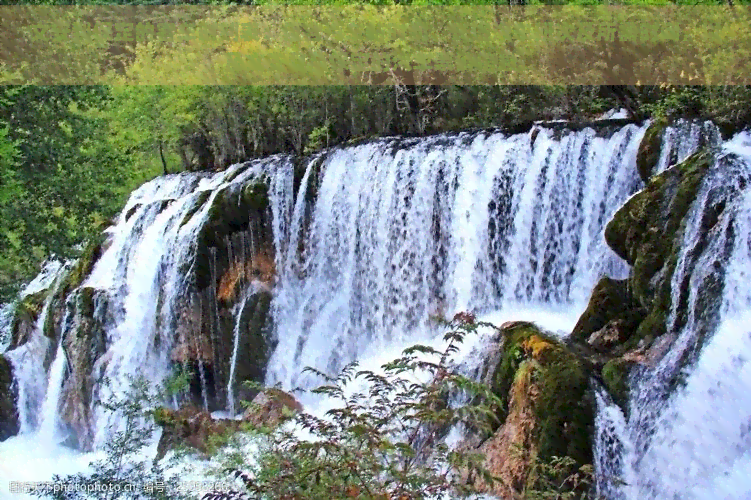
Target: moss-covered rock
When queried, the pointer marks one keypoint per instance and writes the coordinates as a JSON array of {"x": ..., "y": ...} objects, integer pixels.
[
  {"x": 191, "y": 428},
  {"x": 610, "y": 301},
  {"x": 254, "y": 346},
  {"x": 25, "y": 316},
  {"x": 85, "y": 346},
  {"x": 647, "y": 232},
  {"x": 84, "y": 265},
  {"x": 270, "y": 408},
  {"x": 547, "y": 405},
  {"x": 234, "y": 209},
  {"x": 643, "y": 231},
  {"x": 615, "y": 375},
  {"x": 198, "y": 203},
  {"x": 9, "y": 425},
  {"x": 195, "y": 429},
  {"x": 649, "y": 150}
]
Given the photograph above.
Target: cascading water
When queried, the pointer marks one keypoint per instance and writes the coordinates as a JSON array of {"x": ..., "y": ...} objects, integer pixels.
[
  {"x": 369, "y": 242},
  {"x": 401, "y": 230},
  {"x": 28, "y": 360},
  {"x": 687, "y": 435},
  {"x": 685, "y": 137},
  {"x": 49, "y": 409},
  {"x": 144, "y": 270}
]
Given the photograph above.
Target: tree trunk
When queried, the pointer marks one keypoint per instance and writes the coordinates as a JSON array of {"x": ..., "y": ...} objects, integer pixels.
[{"x": 161, "y": 155}]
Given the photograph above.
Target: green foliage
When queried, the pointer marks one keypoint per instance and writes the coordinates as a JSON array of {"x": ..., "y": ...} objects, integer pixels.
[
  {"x": 383, "y": 438},
  {"x": 560, "y": 478},
  {"x": 121, "y": 471},
  {"x": 69, "y": 156},
  {"x": 178, "y": 382},
  {"x": 318, "y": 138},
  {"x": 60, "y": 179}
]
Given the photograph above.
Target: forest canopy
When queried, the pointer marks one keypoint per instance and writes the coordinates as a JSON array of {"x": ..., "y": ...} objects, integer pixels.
[{"x": 70, "y": 154}]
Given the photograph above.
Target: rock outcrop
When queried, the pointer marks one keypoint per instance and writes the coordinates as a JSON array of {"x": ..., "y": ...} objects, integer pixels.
[
  {"x": 649, "y": 149},
  {"x": 9, "y": 425},
  {"x": 547, "y": 410},
  {"x": 85, "y": 346},
  {"x": 625, "y": 318}
]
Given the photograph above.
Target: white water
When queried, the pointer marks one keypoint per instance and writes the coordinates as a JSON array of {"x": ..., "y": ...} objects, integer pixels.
[
  {"x": 49, "y": 412},
  {"x": 236, "y": 342},
  {"x": 683, "y": 138},
  {"x": 694, "y": 443},
  {"x": 30, "y": 377},
  {"x": 399, "y": 230},
  {"x": 480, "y": 222},
  {"x": 140, "y": 276}
]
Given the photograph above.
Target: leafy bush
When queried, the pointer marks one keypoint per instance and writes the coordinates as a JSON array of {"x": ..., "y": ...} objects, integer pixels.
[
  {"x": 124, "y": 472},
  {"x": 384, "y": 439}
]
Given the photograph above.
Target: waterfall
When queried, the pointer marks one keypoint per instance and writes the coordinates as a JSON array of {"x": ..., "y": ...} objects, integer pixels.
[
  {"x": 402, "y": 229},
  {"x": 49, "y": 409},
  {"x": 683, "y": 138},
  {"x": 28, "y": 360},
  {"x": 687, "y": 435},
  {"x": 368, "y": 242},
  {"x": 145, "y": 273},
  {"x": 236, "y": 333}
]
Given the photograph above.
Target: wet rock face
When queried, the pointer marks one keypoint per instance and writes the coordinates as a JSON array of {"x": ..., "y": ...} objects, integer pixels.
[
  {"x": 547, "y": 407},
  {"x": 233, "y": 275},
  {"x": 25, "y": 318},
  {"x": 609, "y": 305},
  {"x": 271, "y": 407},
  {"x": 205, "y": 342},
  {"x": 85, "y": 345},
  {"x": 9, "y": 425},
  {"x": 624, "y": 318},
  {"x": 191, "y": 428},
  {"x": 649, "y": 150},
  {"x": 609, "y": 336}
]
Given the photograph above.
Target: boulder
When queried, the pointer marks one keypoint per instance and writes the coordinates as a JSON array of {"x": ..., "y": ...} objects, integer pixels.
[
  {"x": 609, "y": 336},
  {"x": 625, "y": 317},
  {"x": 547, "y": 408},
  {"x": 271, "y": 407},
  {"x": 190, "y": 427},
  {"x": 9, "y": 425},
  {"x": 25, "y": 317},
  {"x": 610, "y": 301},
  {"x": 646, "y": 231}
]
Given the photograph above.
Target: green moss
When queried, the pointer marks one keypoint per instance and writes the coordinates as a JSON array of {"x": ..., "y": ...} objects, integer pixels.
[
  {"x": 647, "y": 232},
  {"x": 25, "y": 315},
  {"x": 610, "y": 300},
  {"x": 86, "y": 301},
  {"x": 256, "y": 195},
  {"x": 615, "y": 375},
  {"x": 163, "y": 417},
  {"x": 563, "y": 406},
  {"x": 512, "y": 356},
  {"x": 649, "y": 149},
  {"x": 83, "y": 266},
  {"x": 564, "y": 409},
  {"x": 31, "y": 305},
  {"x": 201, "y": 199},
  {"x": 219, "y": 440},
  {"x": 231, "y": 209}
]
